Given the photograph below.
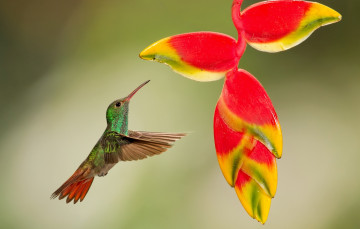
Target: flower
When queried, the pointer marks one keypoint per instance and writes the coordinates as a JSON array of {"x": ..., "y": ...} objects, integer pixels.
[{"x": 247, "y": 131}]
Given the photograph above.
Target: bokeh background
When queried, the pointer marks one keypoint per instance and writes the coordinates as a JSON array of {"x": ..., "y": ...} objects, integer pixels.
[{"x": 63, "y": 62}]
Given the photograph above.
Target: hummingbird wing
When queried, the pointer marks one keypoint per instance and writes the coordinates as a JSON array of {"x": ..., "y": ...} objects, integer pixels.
[{"x": 137, "y": 145}]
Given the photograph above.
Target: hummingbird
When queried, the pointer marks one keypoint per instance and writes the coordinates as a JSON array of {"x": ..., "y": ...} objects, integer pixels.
[{"x": 116, "y": 144}]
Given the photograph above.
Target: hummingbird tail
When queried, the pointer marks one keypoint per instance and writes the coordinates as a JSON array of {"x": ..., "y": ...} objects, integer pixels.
[
  {"x": 75, "y": 188},
  {"x": 76, "y": 191}
]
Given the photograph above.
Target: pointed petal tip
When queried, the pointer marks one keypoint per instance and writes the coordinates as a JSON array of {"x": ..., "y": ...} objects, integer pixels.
[
  {"x": 146, "y": 54},
  {"x": 326, "y": 10},
  {"x": 336, "y": 15},
  {"x": 336, "y": 18},
  {"x": 144, "y": 57},
  {"x": 339, "y": 17},
  {"x": 327, "y": 14},
  {"x": 254, "y": 200},
  {"x": 156, "y": 50}
]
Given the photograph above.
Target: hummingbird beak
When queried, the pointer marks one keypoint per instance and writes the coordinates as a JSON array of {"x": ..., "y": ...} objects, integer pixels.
[{"x": 133, "y": 93}]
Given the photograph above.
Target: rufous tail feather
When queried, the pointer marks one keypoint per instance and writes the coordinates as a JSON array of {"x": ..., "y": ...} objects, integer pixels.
[{"x": 75, "y": 188}]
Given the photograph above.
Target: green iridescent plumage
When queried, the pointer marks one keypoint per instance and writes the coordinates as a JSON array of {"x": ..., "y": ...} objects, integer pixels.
[
  {"x": 117, "y": 117},
  {"x": 116, "y": 144}
]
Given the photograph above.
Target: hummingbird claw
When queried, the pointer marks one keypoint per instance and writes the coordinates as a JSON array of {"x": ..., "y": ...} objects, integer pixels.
[{"x": 102, "y": 174}]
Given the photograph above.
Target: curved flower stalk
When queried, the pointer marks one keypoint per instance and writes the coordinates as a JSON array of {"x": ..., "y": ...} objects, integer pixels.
[{"x": 247, "y": 131}]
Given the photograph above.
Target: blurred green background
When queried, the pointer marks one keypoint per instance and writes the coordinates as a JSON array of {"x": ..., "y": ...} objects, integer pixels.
[{"x": 63, "y": 62}]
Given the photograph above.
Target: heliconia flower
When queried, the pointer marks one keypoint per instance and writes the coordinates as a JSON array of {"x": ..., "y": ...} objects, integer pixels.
[
  {"x": 247, "y": 132},
  {"x": 201, "y": 56},
  {"x": 274, "y": 26},
  {"x": 248, "y": 139}
]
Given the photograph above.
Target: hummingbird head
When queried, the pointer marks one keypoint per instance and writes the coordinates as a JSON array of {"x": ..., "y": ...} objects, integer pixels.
[{"x": 117, "y": 112}]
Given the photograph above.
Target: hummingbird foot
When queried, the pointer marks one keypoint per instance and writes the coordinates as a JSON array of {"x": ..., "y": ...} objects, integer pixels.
[{"x": 102, "y": 174}]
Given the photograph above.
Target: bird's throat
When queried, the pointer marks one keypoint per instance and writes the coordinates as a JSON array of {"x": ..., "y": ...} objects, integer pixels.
[{"x": 119, "y": 125}]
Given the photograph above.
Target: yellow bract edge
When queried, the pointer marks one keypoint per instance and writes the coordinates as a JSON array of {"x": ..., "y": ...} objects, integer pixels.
[{"x": 162, "y": 52}]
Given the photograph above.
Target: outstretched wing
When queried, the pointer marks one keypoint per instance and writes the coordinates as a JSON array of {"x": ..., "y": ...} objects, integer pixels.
[{"x": 137, "y": 145}]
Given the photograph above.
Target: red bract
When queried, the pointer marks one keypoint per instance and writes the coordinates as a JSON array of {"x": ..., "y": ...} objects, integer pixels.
[
  {"x": 217, "y": 53},
  {"x": 254, "y": 100},
  {"x": 201, "y": 56},
  {"x": 266, "y": 22},
  {"x": 274, "y": 26},
  {"x": 247, "y": 132}
]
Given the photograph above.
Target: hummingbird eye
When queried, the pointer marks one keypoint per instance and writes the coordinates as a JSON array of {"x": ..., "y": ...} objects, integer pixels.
[{"x": 118, "y": 104}]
